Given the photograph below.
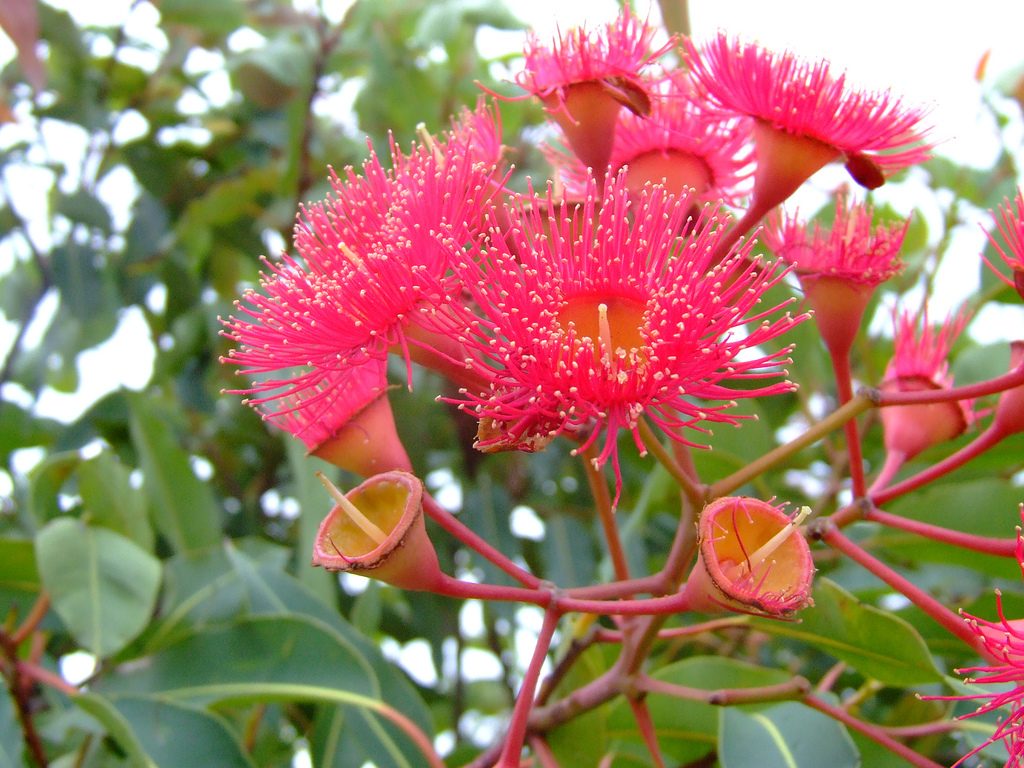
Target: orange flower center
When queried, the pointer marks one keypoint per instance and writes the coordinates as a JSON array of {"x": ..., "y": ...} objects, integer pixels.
[{"x": 611, "y": 324}]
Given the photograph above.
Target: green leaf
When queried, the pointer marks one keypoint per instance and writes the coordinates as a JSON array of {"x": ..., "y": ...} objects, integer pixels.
[
  {"x": 166, "y": 734},
  {"x": 255, "y": 657},
  {"x": 85, "y": 289},
  {"x": 877, "y": 643},
  {"x": 46, "y": 481},
  {"x": 272, "y": 75},
  {"x": 310, "y": 494},
  {"x": 568, "y": 552},
  {"x": 787, "y": 735},
  {"x": 12, "y": 745},
  {"x": 111, "y": 501},
  {"x": 82, "y": 207},
  {"x": 18, "y": 565},
  {"x": 103, "y": 586},
  {"x": 184, "y": 508},
  {"x": 217, "y": 17}
]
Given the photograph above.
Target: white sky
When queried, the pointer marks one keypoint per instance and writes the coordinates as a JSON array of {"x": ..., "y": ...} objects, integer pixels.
[{"x": 926, "y": 52}]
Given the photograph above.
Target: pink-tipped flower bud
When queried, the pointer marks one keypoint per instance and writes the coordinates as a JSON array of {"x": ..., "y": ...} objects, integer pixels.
[
  {"x": 752, "y": 558},
  {"x": 377, "y": 530},
  {"x": 1010, "y": 408},
  {"x": 920, "y": 363}
]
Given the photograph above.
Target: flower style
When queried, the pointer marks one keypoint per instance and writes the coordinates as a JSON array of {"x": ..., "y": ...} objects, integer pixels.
[
  {"x": 804, "y": 118},
  {"x": 1004, "y": 647},
  {"x": 920, "y": 362},
  {"x": 679, "y": 145},
  {"x": 591, "y": 318},
  {"x": 838, "y": 268},
  {"x": 1012, "y": 229},
  {"x": 372, "y": 271},
  {"x": 584, "y": 78}
]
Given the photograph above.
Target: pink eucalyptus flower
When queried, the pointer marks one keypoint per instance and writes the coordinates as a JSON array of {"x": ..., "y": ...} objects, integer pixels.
[
  {"x": 1012, "y": 229},
  {"x": 751, "y": 558},
  {"x": 1004, "y": 648},
  {"x": 679, "y": 145},
  {"x": 585, "y": 77},
  {"x": 920, "y": 363},
  {"x": 840, "y": 267},
  {"x": 592, "y": 318},
  {"x": 346, "y": 419},
  {"x": 372, "y": 272},
  {"x": 805, "y": 117}
]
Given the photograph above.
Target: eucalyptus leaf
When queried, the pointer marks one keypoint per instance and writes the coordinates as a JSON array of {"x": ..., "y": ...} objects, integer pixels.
[
  {"x": 183, "y": 506},
  {"x": 787, "y": 735},
  {"x": 12, "y": 744},
  {"x": 102, "y": 585},
  {"x": 877, "y": 643},
  {"x": 166, "y": 734},
  {"x": 110, "y": 500}
]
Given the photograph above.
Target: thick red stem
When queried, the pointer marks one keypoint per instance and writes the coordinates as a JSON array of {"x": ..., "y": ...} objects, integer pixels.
[
  {"x": 983, "y": 544},
  {"x": 450, "y": 523},
  {"x": 940, "y": 613},
  {"x": 978, "y": 446},
  {"x": 873, "y": 732},
  {"x": 844, "y": 387},
  {"x": 990, "y": 387},
  {"x": 513, "y": 748}
]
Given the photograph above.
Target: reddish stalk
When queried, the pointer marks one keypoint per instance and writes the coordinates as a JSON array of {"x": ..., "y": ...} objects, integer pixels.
[
  {"x": 450, "y": 523},
  {"x": 642, "y": 715},
  {"x": 975, "y": 448},
  {"x": 516, "y": 734},
  {"x": 794, "y": 689},
  {"x": 615, "y": 636},
  {"x": 40, "y": 674},
  {"x": 873, "y": 732},
  {"x": 616, "y": 589},
  {"x": 981, "y": 389},
  {"x": 410, "y": 729},
  {"x": 830, "y": 534},
  {"x": 982, "y": 544},
  {"x": 606, "y": 512},
  {"x": 449, "y": 586},
  {"x": 32, "y": 620},
  {"x": 844, "y": 387},
  {"x": 545, "y": 757}
]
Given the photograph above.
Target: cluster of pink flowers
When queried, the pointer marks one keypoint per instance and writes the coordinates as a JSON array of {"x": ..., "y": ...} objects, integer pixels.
[
  {"x": 573, "y": 312},
  {"x": 625, "y": 289}
]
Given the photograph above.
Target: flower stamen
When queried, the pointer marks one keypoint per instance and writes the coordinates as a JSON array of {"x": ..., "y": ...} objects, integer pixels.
[
  {"x": 751, "y": 563},
  {"x": 350, "y": 509}
]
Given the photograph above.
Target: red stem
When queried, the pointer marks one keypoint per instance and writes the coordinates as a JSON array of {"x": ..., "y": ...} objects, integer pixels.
[
  {"x": 642, "y": 715},
  {"x": 646, "y": 584},
  {"x": 513, "y": 748},
  {"x": 983, "y": 544},
  {"x": 603, "y": 635},
  {"x": 844, "y": 387},
  {"x": 940, "y": 613},
  {"x": 978, "y": 446},
  {"x": 990, "y": 387},
  {"x": 449, "y": 586},
  {"x": 873, "y": 732},
  {"x": 652, "y": 606},
  {"x": 606, "y": 512},
  {"x": 450, "y": 523}
]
